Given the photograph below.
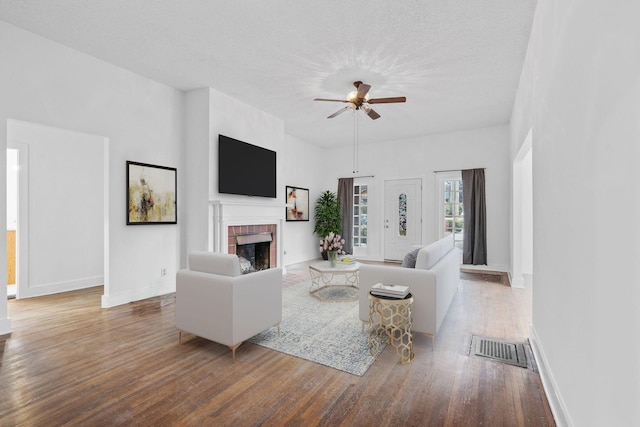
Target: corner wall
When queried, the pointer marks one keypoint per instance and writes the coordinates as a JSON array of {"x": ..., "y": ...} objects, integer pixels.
[
  {"x": 209, "y": 113},
  {"x": 580, "y": 92}
]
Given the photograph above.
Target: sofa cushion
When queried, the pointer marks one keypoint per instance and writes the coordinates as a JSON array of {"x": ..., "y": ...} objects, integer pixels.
[
  {"x": 409, "y": 260},
  {"x": 215, "y": 263},
  {"x": 428, "y": 256},
  {"x": 446, "y": 244}
]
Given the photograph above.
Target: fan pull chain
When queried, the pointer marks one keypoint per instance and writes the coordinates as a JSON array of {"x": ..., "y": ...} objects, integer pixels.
[{"x": 355, "y": 141}]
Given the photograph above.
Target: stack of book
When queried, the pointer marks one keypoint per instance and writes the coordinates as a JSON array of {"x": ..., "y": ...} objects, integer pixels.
[
  {"x": 346, "y": 259},
  {"x": 393, "y": 291}
]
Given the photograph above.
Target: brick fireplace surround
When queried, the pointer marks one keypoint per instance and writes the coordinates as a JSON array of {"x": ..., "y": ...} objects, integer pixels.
[
  {"x": 240, "y": 230},
  {"x": 231, "y": 218}
]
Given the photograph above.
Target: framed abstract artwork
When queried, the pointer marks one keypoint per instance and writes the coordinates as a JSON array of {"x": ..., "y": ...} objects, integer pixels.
[
  {"x": 151, "y": 194},
  {"x": 297, "y": 207}
]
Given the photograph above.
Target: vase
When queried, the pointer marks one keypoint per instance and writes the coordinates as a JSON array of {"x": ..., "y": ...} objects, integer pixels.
[{"x": 333, "y": 257}]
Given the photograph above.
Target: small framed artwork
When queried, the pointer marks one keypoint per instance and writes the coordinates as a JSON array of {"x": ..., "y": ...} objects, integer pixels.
[
  {"x": 151, "y": 194},
  {"x": 297, "y": 204}
]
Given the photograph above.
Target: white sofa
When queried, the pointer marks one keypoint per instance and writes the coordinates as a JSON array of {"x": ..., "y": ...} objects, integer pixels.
[
  {"x": 433, "y": 282},
  {"x": 215, "y": 301}
]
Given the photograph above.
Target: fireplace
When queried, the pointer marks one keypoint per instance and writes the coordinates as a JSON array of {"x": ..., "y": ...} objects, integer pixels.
[
  {"x": 232, "y": 218},
  {"x": 255, "y": 248},
  {"x": 255, "y": 243}
]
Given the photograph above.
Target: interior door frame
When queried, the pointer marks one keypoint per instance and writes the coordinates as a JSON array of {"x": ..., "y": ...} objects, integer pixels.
[{"x": 22, "y": 226}]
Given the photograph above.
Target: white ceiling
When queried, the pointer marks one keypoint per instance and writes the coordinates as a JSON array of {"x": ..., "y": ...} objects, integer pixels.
[{"x": 458, "y": 62}]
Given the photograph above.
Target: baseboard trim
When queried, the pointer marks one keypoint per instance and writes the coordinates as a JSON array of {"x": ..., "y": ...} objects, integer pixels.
[
  {"x": 32, "y": 291},
  {"x": 113, "y": 300},
  {"x": 517, "y": 283},
  {"x": 505, "y": 277},
  {"x": 501, "y": 268},
  {"x": 554, "y": 398}
]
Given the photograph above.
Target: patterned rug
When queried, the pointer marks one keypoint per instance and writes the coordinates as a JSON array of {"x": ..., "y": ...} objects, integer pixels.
[{"x": 328, "y": 333}]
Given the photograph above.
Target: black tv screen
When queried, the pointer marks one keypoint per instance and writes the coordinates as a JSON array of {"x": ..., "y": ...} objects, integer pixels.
[{"x": 245, "y": 168}]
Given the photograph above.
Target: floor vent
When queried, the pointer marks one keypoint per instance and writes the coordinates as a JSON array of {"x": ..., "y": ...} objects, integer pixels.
[{"x": 499, "y": 350}]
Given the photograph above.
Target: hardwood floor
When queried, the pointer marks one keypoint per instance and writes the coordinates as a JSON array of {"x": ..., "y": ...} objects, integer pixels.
[{"x": 69, "y": 362}]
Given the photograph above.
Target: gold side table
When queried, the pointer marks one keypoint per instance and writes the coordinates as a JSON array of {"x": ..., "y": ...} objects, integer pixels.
[{"x": 390, "y": 322}]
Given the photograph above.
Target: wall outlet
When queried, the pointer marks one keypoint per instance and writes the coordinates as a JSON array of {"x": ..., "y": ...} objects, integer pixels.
[{"x": 163, "y": 272}]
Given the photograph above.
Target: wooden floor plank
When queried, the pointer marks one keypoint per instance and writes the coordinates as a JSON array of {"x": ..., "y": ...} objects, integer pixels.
[{"x": 70, "y": 362}]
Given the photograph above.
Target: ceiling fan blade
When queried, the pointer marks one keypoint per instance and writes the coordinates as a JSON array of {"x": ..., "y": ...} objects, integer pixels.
[
  {"x": 339, "y": 112},
  {"x": 387, "y": 100},
  {"x": 363, "y": 90},
  {"x": 331, "y": 100},
  {"x": 370, "y": 112},
  {"x": 373, "y": 114}
]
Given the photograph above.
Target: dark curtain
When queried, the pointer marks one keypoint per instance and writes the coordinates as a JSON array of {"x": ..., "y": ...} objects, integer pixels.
[
  {"x": 345, "y": 197},
  {"x": 475, "y": 217}
]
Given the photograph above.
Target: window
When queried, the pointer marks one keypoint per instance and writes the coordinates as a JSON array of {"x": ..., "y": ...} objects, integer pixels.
[
  {"x": 451, "y": 207},
  {"x": 360, "y": 215},
  {"x": 402, "y": 214}
]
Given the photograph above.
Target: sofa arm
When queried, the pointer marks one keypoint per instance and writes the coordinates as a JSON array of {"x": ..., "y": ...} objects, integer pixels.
[
  {"x": 421, "y": 283},
  {"x": 203, "y": 303},
  {"x": 257, "y": 302}
]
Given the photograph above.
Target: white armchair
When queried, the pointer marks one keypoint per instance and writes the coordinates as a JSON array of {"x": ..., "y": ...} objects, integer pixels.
[{"x": 215, "y": 301}]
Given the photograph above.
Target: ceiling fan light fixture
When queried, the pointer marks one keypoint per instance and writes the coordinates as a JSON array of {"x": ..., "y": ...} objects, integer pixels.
[
  {"x": 359, "y": 99},
  {"x": 353, "y": 96}
]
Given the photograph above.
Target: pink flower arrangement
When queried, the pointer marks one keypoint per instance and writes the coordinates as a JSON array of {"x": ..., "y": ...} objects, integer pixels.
[{"x": 333, "y": 242}]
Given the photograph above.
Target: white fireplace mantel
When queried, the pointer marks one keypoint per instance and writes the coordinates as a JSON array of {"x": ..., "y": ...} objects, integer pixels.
[{"x": 223, "y": 213}]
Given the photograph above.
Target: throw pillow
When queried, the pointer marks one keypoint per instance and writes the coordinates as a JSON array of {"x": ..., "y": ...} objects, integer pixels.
[{"x": 409, "y": 260}]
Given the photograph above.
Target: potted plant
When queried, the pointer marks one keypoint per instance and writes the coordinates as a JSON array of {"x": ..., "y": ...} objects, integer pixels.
[{"x": 328, "y": 218}]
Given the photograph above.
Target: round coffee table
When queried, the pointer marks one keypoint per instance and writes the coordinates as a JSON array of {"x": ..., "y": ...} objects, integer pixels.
[{"x": 339, "y": 283}]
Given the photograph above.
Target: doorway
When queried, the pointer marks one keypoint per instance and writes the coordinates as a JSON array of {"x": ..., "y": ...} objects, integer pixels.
[
  {"x": 60, "y": 218},
  {"x": 402, "y": 217},
  {"x": 522, "y": 194}
]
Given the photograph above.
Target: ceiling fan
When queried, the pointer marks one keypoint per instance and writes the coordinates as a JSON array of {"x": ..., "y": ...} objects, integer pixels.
[{"x": 359, "y": 99}]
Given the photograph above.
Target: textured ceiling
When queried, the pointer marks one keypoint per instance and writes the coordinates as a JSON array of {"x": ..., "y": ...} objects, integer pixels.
[{"x": 457, "y": 61}]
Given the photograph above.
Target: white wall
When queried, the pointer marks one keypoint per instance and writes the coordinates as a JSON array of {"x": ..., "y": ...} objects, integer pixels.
[
  {"x": 522, "y": 216},
  {"x": 210, "y": 113},
  {"x": 419, "y": 158},
  {"x": 47, "y": 83},
  {"x": 196, "y": 166},
  {"x": 304, "y": 167},
  {"x": 527, "y": 213},
  {"x": 235, "y": 119},
  {"x": 580, "y": 92}
]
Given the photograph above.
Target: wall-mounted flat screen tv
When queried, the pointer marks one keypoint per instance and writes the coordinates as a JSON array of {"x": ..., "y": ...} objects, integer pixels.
[{"x": 245, "y": 168}]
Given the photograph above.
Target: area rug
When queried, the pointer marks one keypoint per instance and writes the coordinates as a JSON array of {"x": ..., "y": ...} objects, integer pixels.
[{"x": 328, "y": 333}]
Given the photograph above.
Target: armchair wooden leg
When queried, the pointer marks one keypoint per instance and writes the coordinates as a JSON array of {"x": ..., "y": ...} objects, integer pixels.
[
  {"x": 233, "y": 351},
  {"x": 180, "y": 337}
]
